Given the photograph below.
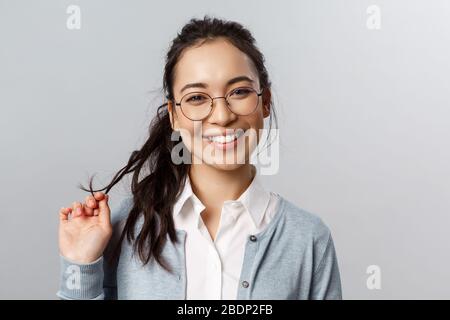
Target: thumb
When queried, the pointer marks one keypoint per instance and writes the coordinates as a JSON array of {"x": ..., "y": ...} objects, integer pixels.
[{"x": 104, "y": 211}]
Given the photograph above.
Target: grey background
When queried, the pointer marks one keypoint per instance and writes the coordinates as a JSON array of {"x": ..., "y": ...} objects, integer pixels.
[{"x": 364, "y": 124}]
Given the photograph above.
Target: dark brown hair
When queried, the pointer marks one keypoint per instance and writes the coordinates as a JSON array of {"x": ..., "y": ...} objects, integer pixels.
[{"x": 155, "y": 194}]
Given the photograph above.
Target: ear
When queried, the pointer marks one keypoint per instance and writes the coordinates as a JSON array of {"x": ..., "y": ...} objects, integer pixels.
[{"x": 266, "y": 102}]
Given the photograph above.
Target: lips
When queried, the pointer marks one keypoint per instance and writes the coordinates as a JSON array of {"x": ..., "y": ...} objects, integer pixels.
[
  {"x": 224, "y": 137},
  {"x": 225, "y": 142}
]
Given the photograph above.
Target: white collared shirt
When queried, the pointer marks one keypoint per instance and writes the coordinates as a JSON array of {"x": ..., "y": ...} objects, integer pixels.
[{"x": 213, "y": 267}]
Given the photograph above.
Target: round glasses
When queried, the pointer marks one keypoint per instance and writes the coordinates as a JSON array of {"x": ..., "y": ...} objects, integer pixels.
[{"x": 198, "y": 105}]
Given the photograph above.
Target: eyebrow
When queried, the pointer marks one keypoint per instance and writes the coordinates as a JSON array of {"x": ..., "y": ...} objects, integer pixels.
[{"x": 204, "y": 85}]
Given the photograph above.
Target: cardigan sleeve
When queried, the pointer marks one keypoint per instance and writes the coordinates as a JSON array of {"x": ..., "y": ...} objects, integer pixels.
[{"x": 326, "y": 282}]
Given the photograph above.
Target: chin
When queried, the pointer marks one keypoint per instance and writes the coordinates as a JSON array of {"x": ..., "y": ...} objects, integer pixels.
[
  {"x": 221, "y": 163},
  {"x": 227, "y": 167}
]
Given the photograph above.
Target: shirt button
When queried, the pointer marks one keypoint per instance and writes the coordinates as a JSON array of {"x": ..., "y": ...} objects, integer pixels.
[
  {"x": 253, "y": 238},
  {"x": 245, "y": 284}
]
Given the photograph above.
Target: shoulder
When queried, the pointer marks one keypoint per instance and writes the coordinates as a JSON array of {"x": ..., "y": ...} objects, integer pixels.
[
  {"x": 298, "y": 222},
  {"x": 120, "y": 211},
  {"x": 307, "y": 231}
]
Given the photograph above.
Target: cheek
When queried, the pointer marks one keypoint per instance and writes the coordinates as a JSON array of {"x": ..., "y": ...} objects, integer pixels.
[
  {"x": 256, "y": 122},
  {"x": 188, "y": 130}
]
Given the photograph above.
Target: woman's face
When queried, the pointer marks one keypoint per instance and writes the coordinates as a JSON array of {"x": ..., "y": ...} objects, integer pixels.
[{"x": 210, "y": 67}]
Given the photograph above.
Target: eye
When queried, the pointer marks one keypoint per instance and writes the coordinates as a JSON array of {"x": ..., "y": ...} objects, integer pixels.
[
  {"x": 240, "y": 92},
  {"x": 196, "y": 98}
]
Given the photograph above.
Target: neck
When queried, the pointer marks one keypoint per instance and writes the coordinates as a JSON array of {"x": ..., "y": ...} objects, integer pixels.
[{"x": 214, "y": 186}]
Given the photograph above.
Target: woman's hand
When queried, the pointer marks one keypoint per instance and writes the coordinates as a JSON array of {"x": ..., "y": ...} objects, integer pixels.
[{"x": 85, "y": 234}]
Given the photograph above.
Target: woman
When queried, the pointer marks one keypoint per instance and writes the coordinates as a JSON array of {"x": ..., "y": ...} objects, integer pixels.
[{"x": 199, "y": 225}]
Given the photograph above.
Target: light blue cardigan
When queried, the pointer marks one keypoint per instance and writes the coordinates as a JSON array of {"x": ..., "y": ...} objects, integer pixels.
[{"x": 292, "y": 258}]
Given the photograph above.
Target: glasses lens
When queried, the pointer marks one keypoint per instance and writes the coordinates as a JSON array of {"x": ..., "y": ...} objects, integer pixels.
[
  {"x": 196, "y": 105},
  {"x": 243, "y": 101}
]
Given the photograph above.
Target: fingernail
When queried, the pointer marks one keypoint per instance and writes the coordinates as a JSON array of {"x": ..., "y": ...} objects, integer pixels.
[{"x": 79, "y": 210}]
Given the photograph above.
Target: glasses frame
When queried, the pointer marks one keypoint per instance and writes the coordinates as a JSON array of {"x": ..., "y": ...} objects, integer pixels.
[{"x": 211, "y": 107}]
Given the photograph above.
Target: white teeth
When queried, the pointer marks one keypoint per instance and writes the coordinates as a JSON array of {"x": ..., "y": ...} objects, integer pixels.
[{"x": 225, "y": 139}]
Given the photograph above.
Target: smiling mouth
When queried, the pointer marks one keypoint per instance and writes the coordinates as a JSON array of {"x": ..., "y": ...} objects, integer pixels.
[{"x": 224, "y": 139}]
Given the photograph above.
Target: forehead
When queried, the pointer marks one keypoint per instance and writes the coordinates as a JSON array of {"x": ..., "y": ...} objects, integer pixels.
[{"x": 214, "y": 63}]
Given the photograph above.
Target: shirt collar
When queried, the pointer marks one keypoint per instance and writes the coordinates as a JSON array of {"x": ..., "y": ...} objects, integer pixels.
[
  {"x": 255, "y": 199},
  {"x": 185, "y": 195}
]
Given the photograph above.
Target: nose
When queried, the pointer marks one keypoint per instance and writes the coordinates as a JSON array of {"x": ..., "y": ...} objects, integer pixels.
[{"x": 221, "y": 114}]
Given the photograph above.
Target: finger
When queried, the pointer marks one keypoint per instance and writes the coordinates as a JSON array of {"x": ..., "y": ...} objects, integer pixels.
[
  {"x": 104, "y": 212},
  {"x": 96, "y": 212},
  {"x": 91, "y": 202},
  {"x": 64, "y": 214},
  {"x": 70, "y": 215},
  {"x": 87, "y": 211},
  {"x": 99, "y": 196},
  {"x": 77, "y": 209}
]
